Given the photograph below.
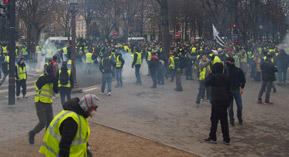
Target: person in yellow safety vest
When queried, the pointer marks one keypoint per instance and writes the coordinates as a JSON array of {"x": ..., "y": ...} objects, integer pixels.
[
  {"x": 172, "y": 66},
  {"x": 21, "y": 77},
  {"x": 24, "y": 52},
  {"x": 65, "y": 82},
  {"x": 5, "y": 50},
  {"x": 215, "y": 58},
  {"x": 69, "y": 131},
  {"x": 89, "y": 61},
  {"x": 137, "y": 62},
  {"x": 194, "y": 50},
  {"x": 204, "y": 70},
  {"x": 46, "y": 85},
  {"x": 5, "y": 69},
  {"x": 119, "y": 65}
]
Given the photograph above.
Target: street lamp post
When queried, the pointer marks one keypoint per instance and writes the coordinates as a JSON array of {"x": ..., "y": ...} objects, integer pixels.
[{"x": 73, "y": 9}]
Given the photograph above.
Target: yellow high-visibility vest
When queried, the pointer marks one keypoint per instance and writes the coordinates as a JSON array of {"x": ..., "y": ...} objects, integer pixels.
[
  {"x": 88, "y": 58},
  {"x": 21, "y": 72},
  {"x": 64, "y": 50},
  {"x": 149, "y": 58},
  {"x": 68, "y": 85},
  {"x": 118, "y": 62},
  {"x": 44, "y": 94},
  {"x": 216, "y": 60},
  {"x": 139, "y": 59},
  {"x": 5, "y": 50},
  {"x": 52, "y": 137},
  {"x": 172, "y": 62},
  {"x": 203, "y": 73}
]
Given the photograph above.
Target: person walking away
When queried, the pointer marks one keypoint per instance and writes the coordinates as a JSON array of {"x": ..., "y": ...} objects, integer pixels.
[
  {"x": 69, "y": 131},
  {"x": 238, "y": 81},
  {"x": 65, "y": 82},
  {"x": 46, "y": 85},
  {"x": 137, "y": 62},
  {"x": 204, "y": 70},
  {"x": 21, "y": 77},
  {"x": 172, "y": 66},
  {"x": 119, "y": 65},
  {"x": 268, "y": 77},
  {"x": 106, "y": 67},
  {"x": 220, "y": 100},
  {"x": 282, "y": 61}
]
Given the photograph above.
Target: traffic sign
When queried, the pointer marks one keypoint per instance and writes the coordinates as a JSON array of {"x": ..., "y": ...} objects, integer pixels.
[{"x": 177, "y": 35}]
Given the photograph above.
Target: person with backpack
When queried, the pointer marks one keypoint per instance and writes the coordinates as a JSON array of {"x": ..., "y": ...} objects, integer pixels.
[
  {"x": 106, "y": 67},
  {"x": 21, "y": 77},
  {"x": 65, "y": 82}
]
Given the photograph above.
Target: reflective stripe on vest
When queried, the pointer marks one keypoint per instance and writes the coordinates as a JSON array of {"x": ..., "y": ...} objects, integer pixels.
[
  {"x": 68, "y": 85},
  {"x": 51, "y": 140},
  {"x": 118, "y": 62},
  {"x": 44, "y": 94}
]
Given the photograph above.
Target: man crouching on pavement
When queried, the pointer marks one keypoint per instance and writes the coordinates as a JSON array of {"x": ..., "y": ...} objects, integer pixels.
[
  {"x": 68, "y": 133},
  {"x": 220, "y": 100}
]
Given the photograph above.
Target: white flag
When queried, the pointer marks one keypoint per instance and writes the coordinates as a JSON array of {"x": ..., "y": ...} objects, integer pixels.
[{"x": 217, "y": 37}]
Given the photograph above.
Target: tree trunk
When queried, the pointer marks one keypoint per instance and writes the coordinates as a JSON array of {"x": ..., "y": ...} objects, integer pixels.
[{"x": 165, "y": 28}]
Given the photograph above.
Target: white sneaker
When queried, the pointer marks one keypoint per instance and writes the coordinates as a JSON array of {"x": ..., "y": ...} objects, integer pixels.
[{"x": 109, "y": 94}]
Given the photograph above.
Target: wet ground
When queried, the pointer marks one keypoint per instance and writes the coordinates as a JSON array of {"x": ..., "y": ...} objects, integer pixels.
[{"x": 171, "y": 118}]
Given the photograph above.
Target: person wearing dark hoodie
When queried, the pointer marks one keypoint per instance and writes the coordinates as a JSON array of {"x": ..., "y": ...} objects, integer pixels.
[
  {"x": 46, "y": 85},
  {"x": 282, "y": 62},
  {"x": 220, "y": 101},
  {"x": 68, "y": 133},
  {"x": 21, "y": 77},
  {"x": 65, "y": 82}
]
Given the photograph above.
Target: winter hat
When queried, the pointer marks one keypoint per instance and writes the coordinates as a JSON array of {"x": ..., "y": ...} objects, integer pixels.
[{"x": 89, "y": 102}]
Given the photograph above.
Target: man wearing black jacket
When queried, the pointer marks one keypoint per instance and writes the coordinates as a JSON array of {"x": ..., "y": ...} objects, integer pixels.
[
  {"x": 67, "y": 123},
  {"x": 268, "y": 76},
  {"x": 237, "y": 81},
  {"x": 46, "y": 86},
  {"x": 220, "y": 100}
]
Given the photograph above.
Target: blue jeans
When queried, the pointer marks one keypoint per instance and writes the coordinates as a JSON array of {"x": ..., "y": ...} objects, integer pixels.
[
  {"x": 106, "y": 78},
  {"x": 172, "y": 71},
  {"x": 64, "y": 91},
  {"x": 202, "y": 89},
  {"x": 238, "y": 100},
  {"x": 282, "y": 74},
  {"x": 119, "y": 76}
]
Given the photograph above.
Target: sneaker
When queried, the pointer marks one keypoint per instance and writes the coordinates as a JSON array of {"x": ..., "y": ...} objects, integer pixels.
[
  {"x": 226, "y": 142},
  {"x": 209, "y": 140},
  {"x": 25, "y": 97},
  {"x": 232, "y": 124},
  {"x": 31, "y": 138},
  {"x": 268, "y": 103},
  {"x": 259, "y": 101},
  {"x": 109, "y": 94}
]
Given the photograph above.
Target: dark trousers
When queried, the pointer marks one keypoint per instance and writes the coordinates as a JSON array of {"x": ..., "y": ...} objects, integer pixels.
[
  {"x": 4, "y": 78},
  {"x": 258, "y": 76},
  {"x": 154, "y": 75},
  {"x": 64, "y": 92},
  {"x": 189, "y": 72},
  {"x": 266, "y": 85},
  {"x": 161, "y": 79},
  {"x": 282, "y": 75},
  {"x": 19, "y": 84},
  {"x": 179, "y": 80},
  {"x": 45, "y": 115},
  {"x": 172, "y": 72},
  {"x": 137, "y": 74},
  {"x": 119, "y": 76},
  {"x": 106, "y": 78},
  {"x": 219, "y": 114}
]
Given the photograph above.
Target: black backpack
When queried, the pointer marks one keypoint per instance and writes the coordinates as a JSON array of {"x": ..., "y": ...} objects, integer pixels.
[{"x": 64, "y": 77}]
